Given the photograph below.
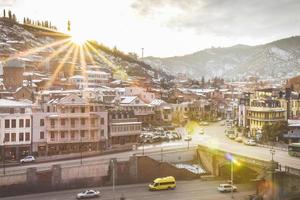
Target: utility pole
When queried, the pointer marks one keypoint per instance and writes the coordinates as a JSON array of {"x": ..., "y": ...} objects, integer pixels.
[
  {"x": 272, "y": 151},
  {"x": 143, "y": 147},
  {"x": 3, "y": 159},
  {"x": 142, "y": 53},
  {"x": 161, "y": 154},
  {"x": 231, "y": 163}
]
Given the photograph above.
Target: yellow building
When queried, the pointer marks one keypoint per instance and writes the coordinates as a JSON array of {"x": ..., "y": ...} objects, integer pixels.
[{"x": 264, "y": 111}]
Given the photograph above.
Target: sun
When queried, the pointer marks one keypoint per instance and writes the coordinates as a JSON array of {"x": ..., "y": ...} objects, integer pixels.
[{"x": 78, "y": 38}]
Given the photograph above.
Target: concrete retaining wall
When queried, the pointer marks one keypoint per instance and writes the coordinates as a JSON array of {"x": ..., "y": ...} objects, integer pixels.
[{"x": 13, "y": 179}]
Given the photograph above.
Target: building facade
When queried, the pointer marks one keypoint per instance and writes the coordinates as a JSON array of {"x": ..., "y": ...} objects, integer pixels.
[
  {"x": 71, "y": 124},
  {"x": 15, "y": 129}
]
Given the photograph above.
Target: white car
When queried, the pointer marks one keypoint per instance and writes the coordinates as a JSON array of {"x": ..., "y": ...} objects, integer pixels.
[
  {"x": 187, "y": 138},
  {"x": 27, "y": 159},
  {"x": 88, "y": 194},
  {"x": 227, "y": 188},
  {"x": 250, "y": 142}
]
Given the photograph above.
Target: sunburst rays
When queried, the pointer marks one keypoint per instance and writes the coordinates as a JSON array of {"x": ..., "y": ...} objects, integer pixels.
[
  {"x": 59, "y": 67},
  {"x": 38, "y": 49},
  {"x": 80, "y": 55}
]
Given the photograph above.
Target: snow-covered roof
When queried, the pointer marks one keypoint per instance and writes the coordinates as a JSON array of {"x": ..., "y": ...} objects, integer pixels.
[
  {"x": 157, "y": 102},
  {"x": 77, "y": 77},
  {"x": 127, "y": 99},
  {"x": 5, "y": 103}
]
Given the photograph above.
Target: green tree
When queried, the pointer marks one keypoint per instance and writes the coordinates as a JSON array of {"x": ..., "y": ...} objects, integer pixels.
[
  {"x": 276, "y": 130},
  {"x": 9, "y": 14}
]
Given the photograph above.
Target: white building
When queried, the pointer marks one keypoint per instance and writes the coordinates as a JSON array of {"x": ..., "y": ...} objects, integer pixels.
[
  {"x": 15, "y": 128},
  {"x": 91, "y": 77},
  {"x": 147, "y": 97}
]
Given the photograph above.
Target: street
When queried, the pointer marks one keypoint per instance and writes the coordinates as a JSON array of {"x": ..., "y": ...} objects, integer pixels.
[
  {"x": 213, "y": 136},
  {"x": 185, "y": 190}
]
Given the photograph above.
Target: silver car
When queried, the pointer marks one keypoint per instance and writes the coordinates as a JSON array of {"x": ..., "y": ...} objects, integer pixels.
[
  {"x": 227, "y": 188},
  {"x": 88, "y": 194},
  {"x": 27, "y": 159}
]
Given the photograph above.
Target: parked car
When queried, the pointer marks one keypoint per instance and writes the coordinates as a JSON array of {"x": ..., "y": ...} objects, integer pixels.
[
  {"x": 201, "y": 132},
  {"x": 27, "y": 159},
  {"x": 231, "y": 136},
  {"x": 238, "y": 139},
  {"x": 88, "y": 194},
  {"x": 188, "y": 138},
  {"x": 250, "y": 142},
  {"x": 203, "y": 123},
  {"x": 226, "y": 188}
]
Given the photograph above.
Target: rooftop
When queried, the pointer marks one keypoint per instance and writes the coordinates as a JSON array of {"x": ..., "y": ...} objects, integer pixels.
[{"x": 4, "y": 103}]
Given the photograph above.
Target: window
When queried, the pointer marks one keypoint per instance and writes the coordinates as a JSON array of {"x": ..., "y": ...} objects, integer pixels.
[
  {"x": 6, "y": 137},
  {"x": 72, "y": 123},
  {"x": 13, "y": 123},
  {"x": 93, "y": 134},
  {"x": 7, "y": 124},
  {"x": 102, "y": 132},
  {"x": 11, "y": 111},
  {"x": 82, "y": 121},
  {"x": 42, "y": 122},
  {"x": 27, "y": 136},
  {"x": 102, "y": 121},
  {"x": 72, "y": 110},
  {"x": 91, "y": 109},
  {"x": 82, "y": 134},
  {"x": 82, "y": 109},
  {"x": 63, "y": 122},
  {"x": 48, "y": 108},
  {"x": 13, "y": 137},
  {"x": 42, "y": 135},
  {"x": 27, "y": 123},
  {"x": 62, "y": 135},
  {"x": 21, "y": 137},
  {"x": 52, "y": 122},
  {"x": 21, "y": 123},
  {"x": 72, "y": 134},
  {"x": 22, "y": 110},
  {"x": 52, "y": 135}
]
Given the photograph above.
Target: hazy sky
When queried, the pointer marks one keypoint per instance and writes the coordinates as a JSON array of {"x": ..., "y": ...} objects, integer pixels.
[{"x": 168, "y": 27}]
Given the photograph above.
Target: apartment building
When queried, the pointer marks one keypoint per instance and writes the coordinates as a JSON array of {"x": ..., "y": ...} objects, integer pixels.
[
  {"x": 124, "y": 128},
  {"x": 143, "y": 111},
  {"x": 264, "y": 111},
  {"x": 70, "y": 124},
  {"x": 15, "y": 129}
]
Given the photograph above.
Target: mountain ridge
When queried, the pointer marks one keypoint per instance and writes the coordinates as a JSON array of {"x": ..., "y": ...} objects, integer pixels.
[{"x": 276, "y": 59}]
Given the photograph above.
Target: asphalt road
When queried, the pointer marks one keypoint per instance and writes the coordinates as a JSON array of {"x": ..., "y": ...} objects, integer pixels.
[
  {"x": 186, "y": 190},
  {"x": 214, "y": 136}
]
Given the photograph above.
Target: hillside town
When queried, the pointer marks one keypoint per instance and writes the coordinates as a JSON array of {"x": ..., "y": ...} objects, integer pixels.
[
  {"x": 77, "y": 114},
  {"x": 104, "y": 113}
]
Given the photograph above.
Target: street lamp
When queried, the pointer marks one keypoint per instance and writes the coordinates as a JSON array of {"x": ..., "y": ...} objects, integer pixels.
[
  {"x": 113, "y": 174},
  {"x": 80, "y": 149},
  {"x": 232, "y": 162},
  {"x": 272, "y": 151}
]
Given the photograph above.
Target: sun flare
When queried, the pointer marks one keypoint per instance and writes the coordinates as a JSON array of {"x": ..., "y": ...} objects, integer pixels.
[{"x": 78, "y": 38}]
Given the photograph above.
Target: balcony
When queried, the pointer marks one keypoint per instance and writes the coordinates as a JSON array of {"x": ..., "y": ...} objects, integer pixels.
[
  {"x": 58, "y": 140},
  {"x": 269, "y": 119},
  {"x": 266, "y": 109}
]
